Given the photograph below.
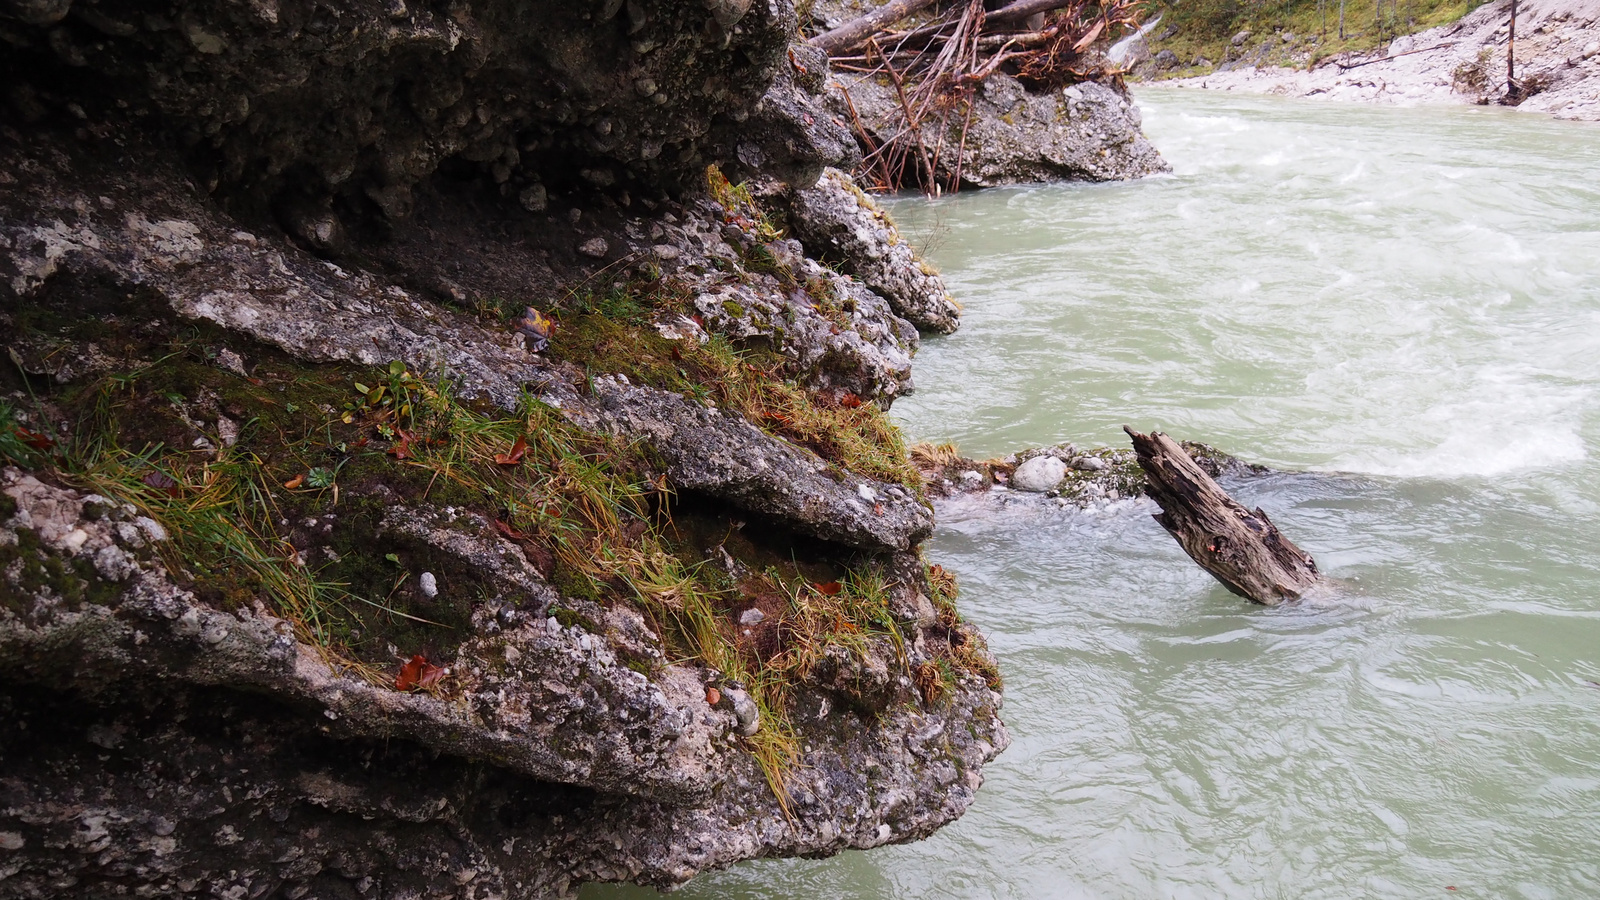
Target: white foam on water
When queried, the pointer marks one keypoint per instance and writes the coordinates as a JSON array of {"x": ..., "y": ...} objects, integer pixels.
[{"x": 1503, "y": 429}]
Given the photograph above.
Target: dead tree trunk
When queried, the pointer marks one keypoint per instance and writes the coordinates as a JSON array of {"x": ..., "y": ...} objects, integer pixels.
[
  {"x": 855, "y": 32},
  {"x": 1240, "y": 548},
  {"x": 1022, "y": 10}
]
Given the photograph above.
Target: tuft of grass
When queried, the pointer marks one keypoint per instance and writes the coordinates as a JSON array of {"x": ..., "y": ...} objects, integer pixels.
[
  {"x": 740, "y": 206},
  {"x": 219, "y": 513},
  {"x": 935, "y": 457},
  {"x": 852, "y": 434}
]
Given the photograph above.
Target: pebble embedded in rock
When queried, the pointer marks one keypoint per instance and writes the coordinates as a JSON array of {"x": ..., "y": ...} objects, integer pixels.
[
  {"x": 866, "y": 493},
  {"x": 1039, "y": 474},
  {"x": 594, "y": 247},
  {"x": 745, "y": 711},
  {"x": 1089, "y": 464},
  {"x": 428, "y": 584},
  {"x": 534, "y": 198}
]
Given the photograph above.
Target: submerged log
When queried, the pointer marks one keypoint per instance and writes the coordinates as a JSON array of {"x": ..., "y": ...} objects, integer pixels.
[{"x": 1240, "y": 548}]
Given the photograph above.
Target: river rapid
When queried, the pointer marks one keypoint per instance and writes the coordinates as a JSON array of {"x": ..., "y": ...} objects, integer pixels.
[{"x": 1405, "y": 306}]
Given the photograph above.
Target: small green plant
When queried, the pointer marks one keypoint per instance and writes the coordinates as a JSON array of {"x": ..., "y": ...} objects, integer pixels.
[
  {"x": 740, "y": 206},
  {"x": 391, "y": 401}
]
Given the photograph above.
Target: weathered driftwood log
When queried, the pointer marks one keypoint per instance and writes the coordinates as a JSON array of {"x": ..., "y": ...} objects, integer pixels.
[
  {"x": 855, "y": 32},
  {"x": 1022, "y": 10},
  {"x": 1240, "y": 548},
  {"x": 852, "y": 34}
]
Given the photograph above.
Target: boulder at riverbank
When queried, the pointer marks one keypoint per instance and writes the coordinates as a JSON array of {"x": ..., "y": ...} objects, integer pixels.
[
  {"x": 1079, "y": 124},
  {"x": 1082, "y": 132}
]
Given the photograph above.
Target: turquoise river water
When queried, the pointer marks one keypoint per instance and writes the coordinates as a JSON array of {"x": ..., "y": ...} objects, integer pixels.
[{"x": 1404, "y": 305}]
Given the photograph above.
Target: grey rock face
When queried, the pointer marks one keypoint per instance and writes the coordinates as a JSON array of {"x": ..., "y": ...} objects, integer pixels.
[
  {"x": 728, "y": 458},
  {"x": 158, "y": 744},
  {"x": 511, "y": 717},
  {"x": 839, "y": 223},
  {"x": 556, "y": 765},
  {"x": 1085, "y": 132},
  {"x": 366, "y": 99},
  {"x": 791, "y": 134},
  {"x": 838, "y": 333}
]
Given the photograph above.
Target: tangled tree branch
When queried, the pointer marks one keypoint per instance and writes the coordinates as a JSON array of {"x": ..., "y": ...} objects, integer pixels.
[{"x": 936, "y": 66}]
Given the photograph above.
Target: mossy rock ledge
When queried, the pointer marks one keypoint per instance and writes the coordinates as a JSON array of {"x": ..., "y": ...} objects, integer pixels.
[{"x": 330, "y": 569}]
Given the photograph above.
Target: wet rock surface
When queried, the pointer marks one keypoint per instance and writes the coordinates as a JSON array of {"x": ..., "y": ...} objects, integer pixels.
[
  {"x": 364, "y": 100},
  {"x": 163, "y": 744},
  {"x": 333, "y": 187},
  {"x": 1064, "y": 475}
]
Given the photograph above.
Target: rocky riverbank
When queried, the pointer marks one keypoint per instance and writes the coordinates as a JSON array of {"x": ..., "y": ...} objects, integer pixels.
[
  {"x": 1064, "y": 476},
  {"x": 1557, "y": 55},
  {"x": 1002, "y": 131},
  {"x": 427, "y": 474}
]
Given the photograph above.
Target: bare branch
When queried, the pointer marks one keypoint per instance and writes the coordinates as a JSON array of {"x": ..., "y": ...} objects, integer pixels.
[{"x": 855, "y": 32}]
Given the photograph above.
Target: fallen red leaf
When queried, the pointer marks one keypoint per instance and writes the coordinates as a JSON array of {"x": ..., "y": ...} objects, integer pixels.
[
  {"x": 877, "y": 509},
  {"x": 830, "y": 589},
  {"x": 506, "y": 529},
  {"x": 849, "y": 400},
  {"x": 255, "y": 381},
  {"x": 296, "y": 481},
  {"x": 34, "y": 439},
  {"x": 1449, "y": 887},
  {"x": 712, "y": 696},
  {"x": 417, "y": 672},
  {"x": 402, "y": 447},
  {"x": 163, "y": 483},
  {"x": 518, "y": 451}
]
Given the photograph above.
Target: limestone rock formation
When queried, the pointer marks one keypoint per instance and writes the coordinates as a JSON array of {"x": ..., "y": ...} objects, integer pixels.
[
  {"x": 842, "y": 225},
  {"x": 400, "y": 423},
  {"x": 1083, "y": 132}
]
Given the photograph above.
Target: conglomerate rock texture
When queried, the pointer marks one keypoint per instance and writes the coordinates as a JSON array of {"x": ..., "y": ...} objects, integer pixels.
[
  {"x": 846, "y": 227},
  {"x": 288, "y": 189}
]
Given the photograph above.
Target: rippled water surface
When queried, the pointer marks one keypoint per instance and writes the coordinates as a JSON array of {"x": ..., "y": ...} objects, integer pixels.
[{"x": 1404, "y": 303}]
